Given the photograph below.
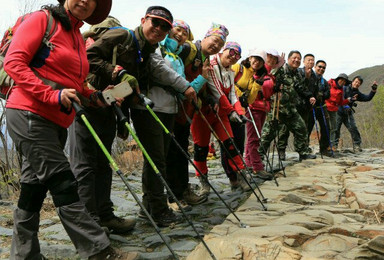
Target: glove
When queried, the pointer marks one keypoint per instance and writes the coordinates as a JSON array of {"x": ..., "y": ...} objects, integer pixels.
[
  {"x": 145, "y": 101},
  {"x": 277, "y": 87},
  {"x": 212, "y": 102},
  {"x": 244, "y": 119},
  {"x": 124, "y": 76},
  {"x": 243, "y": 100},
  {"x": 234, "y": 117},
  {"x": 374, "y": 87},
  {"x": 347, "y": 110}
]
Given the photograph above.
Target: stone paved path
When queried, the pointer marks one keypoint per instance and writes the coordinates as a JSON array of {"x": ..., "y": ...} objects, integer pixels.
[{"x": 303, "y": 217}]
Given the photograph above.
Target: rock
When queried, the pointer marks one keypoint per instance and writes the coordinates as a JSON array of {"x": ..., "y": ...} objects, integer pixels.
[
  {"x": 377, "y": 245},
  {"x": 155, "y": 240}
]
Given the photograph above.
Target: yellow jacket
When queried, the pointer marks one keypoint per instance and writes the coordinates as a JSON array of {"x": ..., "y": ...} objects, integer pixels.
[{"x": 246, "y": 83}]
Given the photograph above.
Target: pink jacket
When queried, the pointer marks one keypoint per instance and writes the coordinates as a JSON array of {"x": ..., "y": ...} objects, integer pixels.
[
  {"x": 262, "y": 101},
  {"x": 65, "y": 65}
]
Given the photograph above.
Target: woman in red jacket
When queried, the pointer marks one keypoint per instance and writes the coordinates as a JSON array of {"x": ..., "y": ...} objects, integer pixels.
[
  {"x": 39, "y": 110},
  {"x": 219, "y": 95},
  {"x": 335, "y": 100}
]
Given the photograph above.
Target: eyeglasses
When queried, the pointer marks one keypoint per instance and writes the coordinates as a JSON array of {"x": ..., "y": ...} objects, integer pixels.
[
  {"x": 233, "y": 52},
  {"x": 321, "y": 67},
  {"x": 164, "y": 26}
]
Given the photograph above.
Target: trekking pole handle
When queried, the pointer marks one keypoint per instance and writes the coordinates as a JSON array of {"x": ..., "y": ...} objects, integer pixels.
[
  {"x": 120, "y": 115},
  {"x": 78, "y": 109},
  {"x": 146, "y": 101}
]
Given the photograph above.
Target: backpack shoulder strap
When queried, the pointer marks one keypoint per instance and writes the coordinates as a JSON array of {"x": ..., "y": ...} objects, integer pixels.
[
  {"x": 239, "y": 74},
  {"x": 48, "y": 31}
]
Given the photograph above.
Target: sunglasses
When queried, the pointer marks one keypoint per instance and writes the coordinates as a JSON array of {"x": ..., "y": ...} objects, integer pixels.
[
  {"x": 234, "y": 53},
  {"x": 164, "y": 26},
  {"x": 321, "y": 67}
]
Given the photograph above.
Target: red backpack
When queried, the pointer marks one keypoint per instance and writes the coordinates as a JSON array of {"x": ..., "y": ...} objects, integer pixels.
[{"x": 6, "y": 82}]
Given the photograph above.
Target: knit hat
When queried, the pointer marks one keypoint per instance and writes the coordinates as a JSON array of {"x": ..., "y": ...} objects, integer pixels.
[
  {"x": 101, "y": 11},
  {"x": 258, "y": 53},
  {"x": 218, "y": 30},
  {"x": 185, "y": 26},
  {"x": 343, "y": 76},
  {"x": 233, "y": 45},
  {"x": 160, "y": 13},
  {"x": 280, "y": 60}
]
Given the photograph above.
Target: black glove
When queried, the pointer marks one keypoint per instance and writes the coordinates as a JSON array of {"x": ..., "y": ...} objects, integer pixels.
[
  {"x": 277, "y": 87},
  {"x": 243, "y": 100},
  {"x": 212, "y": 102},
  {"x": 374, "y": 87},
  {"x": 244, "y": 119}
]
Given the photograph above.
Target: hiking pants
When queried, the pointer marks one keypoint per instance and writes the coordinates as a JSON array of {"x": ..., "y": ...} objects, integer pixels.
[
  {"x": 349, "y": 121},
  {"x": 239, "y": 138},
  {"x": 90, "y": 165},
  {"x": 177, "y": 163},
  {"x": 156, "y": 143},
  {"x": 41, "y": 143},
  {"x": 333, "y": 127},
  {"x": 201, "y": 135},
  {"x": 324, "y": 142},
  {"x": 252, "y": 156},
  {"x": 294, "y": 123}
]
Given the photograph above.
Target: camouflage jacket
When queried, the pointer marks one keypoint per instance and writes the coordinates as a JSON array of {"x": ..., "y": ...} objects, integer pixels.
[{"x": 295, "y": 89}]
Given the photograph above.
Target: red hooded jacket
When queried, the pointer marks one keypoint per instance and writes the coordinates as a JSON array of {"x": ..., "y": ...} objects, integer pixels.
[
  {"x": 336, "y": 99},
  {"x": 66, "y": 65}
]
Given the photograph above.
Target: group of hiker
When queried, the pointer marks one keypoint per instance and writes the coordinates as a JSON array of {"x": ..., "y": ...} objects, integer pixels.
[{"x": 185, "y": 86}]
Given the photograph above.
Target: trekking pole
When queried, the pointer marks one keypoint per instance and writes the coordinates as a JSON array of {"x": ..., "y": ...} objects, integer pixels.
[
  {"x": 147, "y": 102},
  {"x": 317, "y": 130},
  {"x": 262, "y": 147},
  {"x": 80, "y": 112},
  {"x": 275, "y": 118},
  {"x": 229, "y": 156},
  {"x": 239, "y": 153},
  {"x": 326, "y": 129},
  {"x": 188, "y": 157}
]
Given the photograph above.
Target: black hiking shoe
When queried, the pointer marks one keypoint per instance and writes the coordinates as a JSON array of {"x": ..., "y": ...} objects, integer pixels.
[
  {"x": 306, "y": 156},
  {"x": 164, "y": 219}
]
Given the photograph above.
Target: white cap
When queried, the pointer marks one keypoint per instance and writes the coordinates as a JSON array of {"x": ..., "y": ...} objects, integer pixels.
[
  {"x": 258, "y": 53},
  {"x": 280, "y": 60}
]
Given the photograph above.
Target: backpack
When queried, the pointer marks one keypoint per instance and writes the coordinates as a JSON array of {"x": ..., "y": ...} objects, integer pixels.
[{"x": 6, "y": 82}]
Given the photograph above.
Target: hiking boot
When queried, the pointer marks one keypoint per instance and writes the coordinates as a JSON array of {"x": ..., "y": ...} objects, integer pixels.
[
  {"x": 282, "y": 155},
  {"x": 192, "y": 198},
  {"x": 111, "y": 253},
  {"x": 164, "y": 219},
  {"x": 205, "y": 188},
  {"x": 243, "y": 184},
  {"x": 357, "y": 148},
  {"x": 306, "y": 156},
  {"x": 184, "y": 205},
  {"x": 234, "y": 184},
  {"x": 118, "y": 225},
  {"x": 264, "y": 175},
  {"x": 167, "y": 218}
]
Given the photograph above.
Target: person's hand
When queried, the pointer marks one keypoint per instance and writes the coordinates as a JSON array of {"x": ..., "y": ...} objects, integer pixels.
[
  {"x": 206, "y": 68},
  {"x": 190, "y": 94},
  {"x": 374, "y": 86},
  {"x": 234, "y": 117},
  {"x": 312, "y": 101},
  {"x": 354, "y": 98},
  {"x": 244, "y": 119},
  {"x": 243, "y": 100},
  {"x": 67, "y": 95}
]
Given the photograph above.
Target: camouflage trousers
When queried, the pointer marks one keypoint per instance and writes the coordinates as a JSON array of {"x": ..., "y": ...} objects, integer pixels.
[
  {"x": 284, "y": 131},
  {"x": 294, "y": 123}
]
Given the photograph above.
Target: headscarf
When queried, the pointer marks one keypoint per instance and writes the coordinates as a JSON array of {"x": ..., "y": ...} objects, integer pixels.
[
  {"x": 218, "y": 30},
  {"x": 233, "y": 45},
  {"x": 185, "y": 26}
]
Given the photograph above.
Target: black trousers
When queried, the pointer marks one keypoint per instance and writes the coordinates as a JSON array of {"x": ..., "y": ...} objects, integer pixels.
[
  {"x": 177, "y": 164},
  {"x": 156, "y": 143}
]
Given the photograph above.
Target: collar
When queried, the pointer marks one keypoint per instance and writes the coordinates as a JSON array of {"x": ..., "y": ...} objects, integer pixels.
[{"x": 76, "y": 23}]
